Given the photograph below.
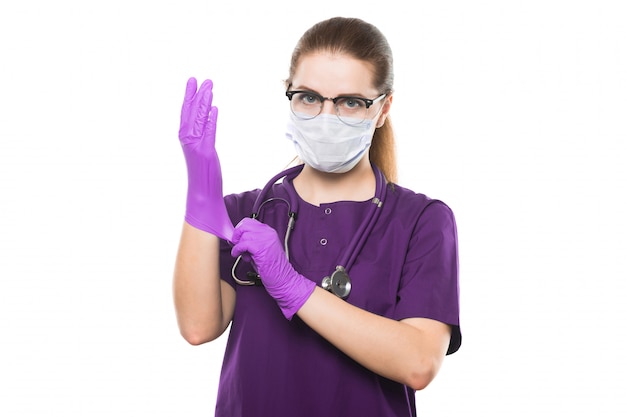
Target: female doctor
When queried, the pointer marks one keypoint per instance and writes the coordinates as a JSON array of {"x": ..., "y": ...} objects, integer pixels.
[{"x": 340, "y": 287}]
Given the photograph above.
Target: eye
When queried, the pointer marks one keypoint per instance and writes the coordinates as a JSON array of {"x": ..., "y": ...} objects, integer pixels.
[
  {"x": 308, "y": 99},
  {"x": 350, "y": 103}
]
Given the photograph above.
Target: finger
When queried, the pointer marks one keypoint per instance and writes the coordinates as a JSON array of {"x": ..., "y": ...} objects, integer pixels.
[
  {"x": 240, "y": 248},
  {"x": 237, "y": 232},
  {"x": 201, "y": 106},
  {"x": 244, "y": 225},
  {"x": 238, "y": 238},
  {"x": 244, "y": 255},
  {"x": 190, "y": 91},
  {"x": 236, "y": 251},
  {"x": 192, "y": 85}
]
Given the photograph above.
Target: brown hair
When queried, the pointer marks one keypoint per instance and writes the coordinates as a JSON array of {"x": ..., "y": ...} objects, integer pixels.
[{"x": 365, "y": 42}]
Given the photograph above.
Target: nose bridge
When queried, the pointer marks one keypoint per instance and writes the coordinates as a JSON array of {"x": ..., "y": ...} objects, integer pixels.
[{"x": 328, "y": 106}]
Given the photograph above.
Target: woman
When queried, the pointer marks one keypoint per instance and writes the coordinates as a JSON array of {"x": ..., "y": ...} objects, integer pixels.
[{"x": 295, "y": 348}]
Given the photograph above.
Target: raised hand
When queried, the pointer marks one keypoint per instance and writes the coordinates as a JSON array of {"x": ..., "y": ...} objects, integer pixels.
[{"x": 205, "y": 200}]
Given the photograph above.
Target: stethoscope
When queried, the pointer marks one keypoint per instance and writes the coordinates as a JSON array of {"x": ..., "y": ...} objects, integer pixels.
[{"x": 338, "y": 282}]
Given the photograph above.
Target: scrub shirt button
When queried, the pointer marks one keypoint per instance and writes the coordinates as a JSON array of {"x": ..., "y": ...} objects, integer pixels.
[
  {"x": 328, "y": 210},
  {"x": 323, "y": 242}
]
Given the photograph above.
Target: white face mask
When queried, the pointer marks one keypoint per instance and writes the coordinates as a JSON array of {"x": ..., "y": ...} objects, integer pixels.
[{"x": 329, "y": 145}]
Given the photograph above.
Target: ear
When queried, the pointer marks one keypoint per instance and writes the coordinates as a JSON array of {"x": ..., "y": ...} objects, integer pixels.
[{"x": 385, "y": 111}]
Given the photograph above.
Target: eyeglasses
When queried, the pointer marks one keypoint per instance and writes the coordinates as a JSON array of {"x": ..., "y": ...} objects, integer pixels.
[{"x": 350, "y": 110}]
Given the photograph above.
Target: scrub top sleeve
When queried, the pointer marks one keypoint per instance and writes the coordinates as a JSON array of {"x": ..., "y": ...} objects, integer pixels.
[{"x": 429, "y": 286}]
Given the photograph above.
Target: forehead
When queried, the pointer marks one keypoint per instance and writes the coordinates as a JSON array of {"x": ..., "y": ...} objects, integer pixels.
[{"x": 331, "y": 74}]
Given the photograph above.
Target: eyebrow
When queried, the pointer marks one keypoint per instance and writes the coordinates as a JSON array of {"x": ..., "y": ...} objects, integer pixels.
[{"x": 305, "y": 88}]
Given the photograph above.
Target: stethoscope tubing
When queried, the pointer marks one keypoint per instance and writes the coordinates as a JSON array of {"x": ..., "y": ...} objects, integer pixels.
[
  {"x": 350, "y": 255},
  {"x": 366, "y": 228},
  {"x": 260, "y": 200}
]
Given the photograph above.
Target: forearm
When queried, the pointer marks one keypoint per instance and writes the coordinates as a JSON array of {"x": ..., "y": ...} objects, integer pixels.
[
  {"x": 203, "y": 302},
  {"x": 397, "y": 350}
]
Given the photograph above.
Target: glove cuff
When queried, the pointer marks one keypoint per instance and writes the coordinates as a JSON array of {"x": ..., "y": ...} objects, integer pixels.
[
  {"x": 223, "y": 231},
  {"x": 298, "y": 294}
]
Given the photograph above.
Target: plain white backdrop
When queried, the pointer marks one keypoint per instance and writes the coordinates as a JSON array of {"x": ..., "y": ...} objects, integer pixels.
[{"x": 511, "y": 112}]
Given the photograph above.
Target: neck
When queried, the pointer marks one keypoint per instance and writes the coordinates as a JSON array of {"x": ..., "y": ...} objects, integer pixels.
[{"x": 316, "y": 187}]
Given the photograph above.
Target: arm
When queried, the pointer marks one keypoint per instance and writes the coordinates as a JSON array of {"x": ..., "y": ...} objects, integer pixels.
[
  {"x": 204, "y": 304},
  {"x": 409, "y": 351}
]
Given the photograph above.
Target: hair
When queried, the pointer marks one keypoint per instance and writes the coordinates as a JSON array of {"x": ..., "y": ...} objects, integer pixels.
[{"x": 362, "y": 41}]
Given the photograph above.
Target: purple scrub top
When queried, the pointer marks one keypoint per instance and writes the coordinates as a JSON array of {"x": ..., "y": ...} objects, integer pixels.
[{"x": 408, "y": 267}]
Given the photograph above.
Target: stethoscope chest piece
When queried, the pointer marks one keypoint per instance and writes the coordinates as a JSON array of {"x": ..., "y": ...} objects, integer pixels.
[{"x": 338, "y": 282}]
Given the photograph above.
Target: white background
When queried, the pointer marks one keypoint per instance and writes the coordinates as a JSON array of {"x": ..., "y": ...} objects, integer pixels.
[{"x": 511, "y": 112}]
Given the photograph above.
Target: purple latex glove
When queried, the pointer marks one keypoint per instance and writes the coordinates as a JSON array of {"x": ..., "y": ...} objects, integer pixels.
[
  {"x": 282, "y": 282},
  {"x": 205, "y": 201}
]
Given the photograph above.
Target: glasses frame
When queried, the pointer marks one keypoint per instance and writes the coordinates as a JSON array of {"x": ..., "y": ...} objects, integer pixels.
[{"x": 368, "y": 101}]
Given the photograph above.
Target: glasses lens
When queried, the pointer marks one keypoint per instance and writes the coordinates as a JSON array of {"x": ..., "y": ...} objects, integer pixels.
[
  {"x": 351, "y": 110},
  {"x": 306, "y": 105}
]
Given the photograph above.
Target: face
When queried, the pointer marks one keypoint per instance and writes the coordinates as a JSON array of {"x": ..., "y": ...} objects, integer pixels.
[{"x": 333, "y": 75}]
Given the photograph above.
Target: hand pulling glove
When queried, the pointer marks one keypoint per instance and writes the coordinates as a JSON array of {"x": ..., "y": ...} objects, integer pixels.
[
  {"x": 290, "y": 289},
  {"x": 205, "y": 201}
]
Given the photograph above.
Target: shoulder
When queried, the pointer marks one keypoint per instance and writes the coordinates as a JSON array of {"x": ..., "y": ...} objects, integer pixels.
[{"x": 405, "y": 203}]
